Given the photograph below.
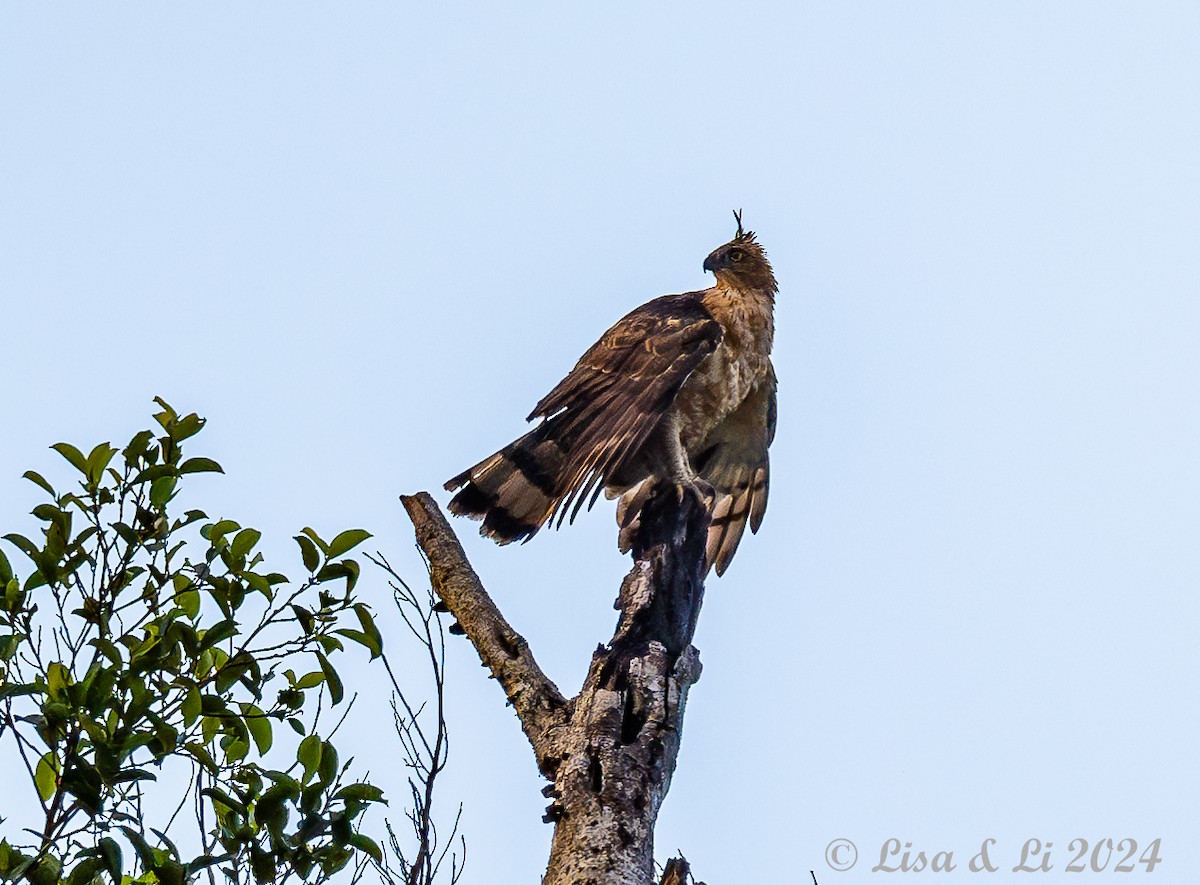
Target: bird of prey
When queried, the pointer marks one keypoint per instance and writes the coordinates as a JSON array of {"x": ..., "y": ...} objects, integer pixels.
[{"x": 681, "y": 390}]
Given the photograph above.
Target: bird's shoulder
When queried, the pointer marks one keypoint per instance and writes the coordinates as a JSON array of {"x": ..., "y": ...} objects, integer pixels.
[
  {"x": 677, "y": 318},
  {"x": 662, "y": 340}
]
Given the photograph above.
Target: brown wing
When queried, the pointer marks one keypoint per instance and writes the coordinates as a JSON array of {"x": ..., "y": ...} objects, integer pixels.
[
  {"x": 605, "y": 408},
  {"x": 738, "y": 468}
]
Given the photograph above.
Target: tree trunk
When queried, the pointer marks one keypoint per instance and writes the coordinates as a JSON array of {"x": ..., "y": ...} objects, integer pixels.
[{"x": 611, "y": 750}]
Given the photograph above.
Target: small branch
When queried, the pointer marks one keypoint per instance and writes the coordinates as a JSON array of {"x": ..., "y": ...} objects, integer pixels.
[
  {"x": 677, "y": 872},
  {"x": 539, "y": 704}
]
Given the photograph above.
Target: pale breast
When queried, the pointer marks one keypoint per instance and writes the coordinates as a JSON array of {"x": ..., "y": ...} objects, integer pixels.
[{"x": 731, "y": 372}]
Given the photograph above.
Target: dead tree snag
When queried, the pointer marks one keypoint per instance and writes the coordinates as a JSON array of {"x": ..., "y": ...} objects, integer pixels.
[{"x": 610, "y": 751}]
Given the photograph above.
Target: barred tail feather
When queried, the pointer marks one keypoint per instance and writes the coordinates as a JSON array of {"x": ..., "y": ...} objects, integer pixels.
[
  {"x": 512, "y": 491},
  {"x": 741, "y": 496}
]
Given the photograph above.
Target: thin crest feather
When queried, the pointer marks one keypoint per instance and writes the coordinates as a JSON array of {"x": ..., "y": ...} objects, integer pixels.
[{"x": 742, "y": 236}]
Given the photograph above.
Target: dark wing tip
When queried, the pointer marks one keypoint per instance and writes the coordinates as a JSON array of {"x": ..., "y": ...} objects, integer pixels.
[
  {"x": 453, "y": 485},
  {"x": 469, "y": 502},
  {"x": 503, "y": 528}
]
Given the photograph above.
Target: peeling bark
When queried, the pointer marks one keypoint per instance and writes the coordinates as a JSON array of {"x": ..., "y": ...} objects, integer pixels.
[{"x": 611, "y": 750}]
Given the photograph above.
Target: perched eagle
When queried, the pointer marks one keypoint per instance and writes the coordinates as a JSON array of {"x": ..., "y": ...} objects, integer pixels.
[{"x": 681, "y": 390}]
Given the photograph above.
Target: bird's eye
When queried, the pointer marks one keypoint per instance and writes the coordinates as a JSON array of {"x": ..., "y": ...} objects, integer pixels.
[{"x": 736, "y": 255}]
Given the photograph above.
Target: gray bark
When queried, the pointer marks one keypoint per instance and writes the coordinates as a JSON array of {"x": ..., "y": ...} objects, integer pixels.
[{"x": 610, "y": 751}]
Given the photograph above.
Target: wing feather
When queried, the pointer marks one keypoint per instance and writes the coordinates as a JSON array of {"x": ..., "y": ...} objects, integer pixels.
[{"x": 614, "y": 397}]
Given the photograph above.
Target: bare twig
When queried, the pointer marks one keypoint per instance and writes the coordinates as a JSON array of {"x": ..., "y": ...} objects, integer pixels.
[
  {"x": 425, "y": 748},
  {"x": 538, "y": 702}
]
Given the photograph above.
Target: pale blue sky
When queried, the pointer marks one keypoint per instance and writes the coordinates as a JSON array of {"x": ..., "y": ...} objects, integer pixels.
[{"x": 364, "y": 239}]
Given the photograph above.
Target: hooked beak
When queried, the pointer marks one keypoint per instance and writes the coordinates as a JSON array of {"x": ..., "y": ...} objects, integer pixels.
[{"x": 710, "y": 265}]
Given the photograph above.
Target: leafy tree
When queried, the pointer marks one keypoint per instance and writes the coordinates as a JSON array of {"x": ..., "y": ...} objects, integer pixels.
[{"x": 140, "y": 638}]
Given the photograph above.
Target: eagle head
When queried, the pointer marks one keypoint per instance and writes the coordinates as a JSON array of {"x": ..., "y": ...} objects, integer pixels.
[{"x": 742, "y": 262}]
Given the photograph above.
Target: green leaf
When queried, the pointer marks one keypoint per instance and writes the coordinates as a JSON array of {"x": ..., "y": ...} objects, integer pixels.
[
  {"x": 361, "y": 793},
  {"x": 234, "y": 669},
  {"x": 23, "y": 544},
  {"x": 45, "y": 776},
  {"x": 259, "y": 726},
  {"x": 167, "y": 416},
  {"x": 244, "y": 541},
  {"x": 170, "y": 872},
  {"x": 6, "y": 572},
  {"x": 186, "y": 427},
  {"x": 138, "y": 447},
  {"x": 85, "y": 871},
  {"x": 331, "y": 678},
  {"x": 15, "y": 690},
  {"x": 218, "y": 631},
  {"x": 312, "y": 798},
  {"x": 305, "y": 618},
  {"x": 346, "y": 568},
  {"x": 327, "y": 773},
  {"x": 37, "y": 479},
  {"x": 262, "y": 864},
  {"x": 362, "y": 639},
  {"x": 97, "y": 460},
  {"x": 367, "y": 844},
  {"x": 73, "y": 455},
  {"x": 316, "y": 539},
  {"x": 82, "y": 781},
  {"x": 213, "y": 705},
  {"x": 235, "y": 748},
  {"x": 204, "y": 861},
  {"x": 217, "y": 529},
  {"x": 189, "y": 601},
  {"x": 190, "y": 708},
  {"x": 144, "y": 852},
  {"x": 108, "y": 648},
  {"x": 45, "y": 870},
  {"x": 150, "y": 474},
  {"x": 47, "y": 512},
  {"x": 218, "y": 795},
  {"x": 58, "y": 677},
  {"x": 308, "y": 551},
  {"x": 202, "y": 756},
  {"x": 128, "y": 535},
  {"x": 111, "y": 852},
  {"x": 329, "y": 643},
  {"x": 310, "y": 680},
  {"x": 368, "y": 624},
  {"x": 129, "y": 775},
  {"x": 347, "y": 541},
  {"x": 308, "y": 754},
  {"x": 200, "y": 465},
  {"x": 161, "y": 490}
]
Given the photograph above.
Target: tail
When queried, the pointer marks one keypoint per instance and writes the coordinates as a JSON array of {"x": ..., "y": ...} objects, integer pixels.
[
  {"x": 515, "y": 490},
  {"x": 739, "y": 497}
]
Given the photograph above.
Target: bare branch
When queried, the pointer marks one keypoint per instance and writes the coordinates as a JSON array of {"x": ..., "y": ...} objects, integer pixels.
[{"x": 539, "y": 704}]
